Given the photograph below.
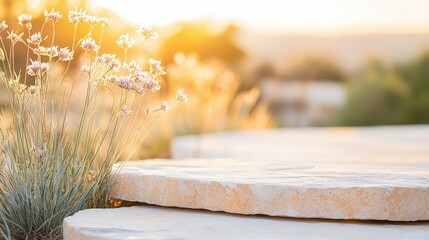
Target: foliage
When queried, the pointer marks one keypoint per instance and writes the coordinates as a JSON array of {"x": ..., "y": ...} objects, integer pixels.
[
  {"x": 57, "y": 158},
  {"x": 389, "y": 95}
]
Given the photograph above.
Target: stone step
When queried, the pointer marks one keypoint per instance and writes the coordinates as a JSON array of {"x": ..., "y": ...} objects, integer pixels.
[
  {"x": 280, "y": 188},
  {"x": 149, "y": 222}
]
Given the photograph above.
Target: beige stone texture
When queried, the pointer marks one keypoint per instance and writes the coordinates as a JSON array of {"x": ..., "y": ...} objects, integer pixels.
[
  {"x": 279, "y": 188},
  {"x": 155, "y": 223},
  {"x": 379, "y": 173}
]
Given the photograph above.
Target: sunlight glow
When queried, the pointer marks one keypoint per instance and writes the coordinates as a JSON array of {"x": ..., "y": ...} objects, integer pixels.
[{"x": 290, "y": 16}]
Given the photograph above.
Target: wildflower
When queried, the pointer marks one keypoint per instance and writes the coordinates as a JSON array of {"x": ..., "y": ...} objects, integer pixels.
[
  {"x": 138, "y": 87},
  {"x": 131, "y": 67},
  {"x": 125, "y": 111},
  {"x": 124, "y": 82},
  {"x": 103, "y": 21},
  {"x": 35, "y": 38},
  {"x": 165, "y": 107},
  {"x": 3, "y": 26},
  {"x": 14, "y": 37},
  {"x": 105, "y": 58},
  {"x": 47, "y": 51},
  {"x": 52, "y": 15},
  {"x": 65, "y": 54},
  {"x": 37, "y": 67},
  {"x": 147, "y": 32},
  {"x": 155, "y": 66},
  {"x": 180, "y": 96},
  {"x": 150, "y": 84},
  {"x": 51, "y": 51},
  {"x": 86, "y": 69},
  {"x": 25, "y": 19},
  {"x": 76, "y": 16},
  {"x": 33, "y": 89},
  {"x": 140, "y": 76},
  {"x": 89, "y": 45},
  {"x": 125, "y": 41},
  {"x": 112, "y": 78}
]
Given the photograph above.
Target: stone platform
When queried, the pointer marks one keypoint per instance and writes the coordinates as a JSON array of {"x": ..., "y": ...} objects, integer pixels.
[
  {"x": 155, "y": 223},
  {"x": 395, "y": 192}
]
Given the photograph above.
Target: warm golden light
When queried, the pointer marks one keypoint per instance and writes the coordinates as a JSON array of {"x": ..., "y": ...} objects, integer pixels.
[{"x": 329, "y": 17}]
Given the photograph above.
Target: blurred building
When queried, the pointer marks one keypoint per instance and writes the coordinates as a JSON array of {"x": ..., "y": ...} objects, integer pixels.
[{"x": 300, "y": 103}]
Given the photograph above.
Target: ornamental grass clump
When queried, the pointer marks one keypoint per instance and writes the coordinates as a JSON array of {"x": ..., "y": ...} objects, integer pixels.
[{"x": 56, "y": 157}]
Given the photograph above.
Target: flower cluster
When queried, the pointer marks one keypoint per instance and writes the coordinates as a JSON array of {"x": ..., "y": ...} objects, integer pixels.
[
  {"x": 36, "y": 68},
  {"x": 147, "y": 32},
  {"x": 78, "y": 16},
  {"x": 53, "y": 16},
  {"x": 25, "y": 19}
]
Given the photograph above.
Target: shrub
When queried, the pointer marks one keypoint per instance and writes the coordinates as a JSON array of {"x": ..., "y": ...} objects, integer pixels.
[{"x": 57, "y": 158}]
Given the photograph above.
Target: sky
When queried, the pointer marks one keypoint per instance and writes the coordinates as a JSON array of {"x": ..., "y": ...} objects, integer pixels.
[{"x": 308, "y": 17}]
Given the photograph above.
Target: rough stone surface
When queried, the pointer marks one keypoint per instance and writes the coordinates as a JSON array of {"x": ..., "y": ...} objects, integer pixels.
[
  {"x": 155, "y": 223},
  {"x": 367, "y": 173},
  {"x": 276, "y": 188}
]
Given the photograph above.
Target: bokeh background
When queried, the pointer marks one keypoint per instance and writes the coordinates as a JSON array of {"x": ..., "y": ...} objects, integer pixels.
[{"x": 266, "y": 64}]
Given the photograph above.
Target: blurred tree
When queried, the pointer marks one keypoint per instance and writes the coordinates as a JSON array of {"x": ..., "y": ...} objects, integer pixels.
[
  {"x": 315, "y": 68},
  {"x": 389, "y": 95},
  {"x": 196, "y": 38}
]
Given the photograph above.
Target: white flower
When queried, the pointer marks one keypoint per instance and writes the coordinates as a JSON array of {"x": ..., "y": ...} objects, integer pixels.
[
  {"x": 35, "y": 39},
  {"x": 3, "y": 26},
  {"x": 86, "y": 69},
  {"x": 125, "y": 41},
  {"x": 76, "y": 16},
  {"x": 65, "y": 54},
  {"x": 155, "y": 66},
  {"x": 25, "y": 19},
  {"x": 89, "y": 45},
  {"x": 147, "y": 32},
  {"x": 52, "y": 15},
  {"x": 164, "y": 106},
  {"x": 131, "y": 67},
  {"x": 180, "y": 96},
  {"x": 52, "y": 51}
]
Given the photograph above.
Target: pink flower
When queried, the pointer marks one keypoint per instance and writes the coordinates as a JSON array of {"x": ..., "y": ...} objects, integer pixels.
[
  {"x": 89, "y": 45},
  {"x": 37, "y": 67},
  {"x": 35, "y": 38},
  {"x": 124, "y": 82},
  {"x": 150, "y": 84},
  {"x": 164, "y": 106},
  {"x": 65, "y": 54},
  {"x": 155, "y": 66},
  {"x": 52, "y": 15}
]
